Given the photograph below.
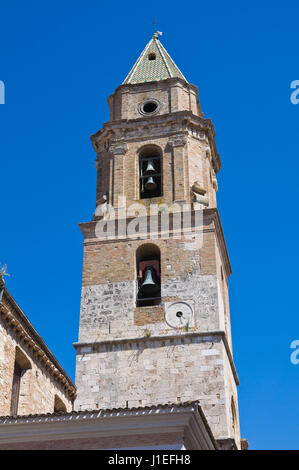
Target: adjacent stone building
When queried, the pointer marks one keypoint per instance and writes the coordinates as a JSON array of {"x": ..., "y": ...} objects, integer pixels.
[{"x": 31, "y": 379}]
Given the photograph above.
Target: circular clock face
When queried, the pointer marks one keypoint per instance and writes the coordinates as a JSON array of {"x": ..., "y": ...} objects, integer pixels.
[{"x": 179, "y": 314}]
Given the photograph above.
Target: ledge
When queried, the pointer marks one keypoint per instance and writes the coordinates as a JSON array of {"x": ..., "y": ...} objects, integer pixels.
[
  {"x": 186, "y": 118},
  {"x": 204, "y": 216}
]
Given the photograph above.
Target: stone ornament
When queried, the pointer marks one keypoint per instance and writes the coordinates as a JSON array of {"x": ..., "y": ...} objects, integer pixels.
[
  {"x": 199, "y": 194},
  {"x": 215, "y": 184},
  {"x": 198, "y": 189},
  {"x": 199, "y": 133},
  {"x": 102, "y": 208}
]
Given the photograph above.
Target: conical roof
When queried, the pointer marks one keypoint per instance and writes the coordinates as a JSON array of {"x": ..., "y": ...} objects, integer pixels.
[{"x": 153, "y": 64}]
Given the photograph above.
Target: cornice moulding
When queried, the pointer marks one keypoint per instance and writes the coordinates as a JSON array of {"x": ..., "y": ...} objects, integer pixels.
[
  {"x": 24, "y": 331},
  {"x": 148, "y": 86},
  {"x": 204, "y": 334},
  {"x": 186, "y": 119}
]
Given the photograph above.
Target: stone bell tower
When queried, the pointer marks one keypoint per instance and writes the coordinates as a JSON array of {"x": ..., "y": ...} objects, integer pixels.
[{"x": 155, "y": 321}]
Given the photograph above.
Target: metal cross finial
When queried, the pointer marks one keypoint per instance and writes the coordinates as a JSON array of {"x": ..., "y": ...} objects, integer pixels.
[{"x": 156, "y": 33}]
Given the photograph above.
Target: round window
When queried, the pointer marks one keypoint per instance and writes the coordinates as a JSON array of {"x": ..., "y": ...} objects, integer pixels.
[{"x": 149, "y": 107}]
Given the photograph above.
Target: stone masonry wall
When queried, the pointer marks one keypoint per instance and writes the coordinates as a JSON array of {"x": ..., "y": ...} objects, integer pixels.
[
  {"x": 108, "y": 309},
  {"x": 174, "y": 95},
  {"x": 105, "y": 373},
  {"x": 38, "y": 388},
  {"x": 231, "y": 394},
  {"x": 118, "y": 175},
  {"x": 155, "y": 371}
]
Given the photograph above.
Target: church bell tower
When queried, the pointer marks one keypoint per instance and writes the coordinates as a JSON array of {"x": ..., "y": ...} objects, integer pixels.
[{"x": 155, "y": 320}]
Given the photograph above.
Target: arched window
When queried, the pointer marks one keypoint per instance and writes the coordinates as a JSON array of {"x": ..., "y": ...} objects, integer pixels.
[
  {"x": 22, "y": 363},
  {"x": 59, "y": 405},
  {"x": 150, "y": 173},
  {"x": 148, "y": 265}
]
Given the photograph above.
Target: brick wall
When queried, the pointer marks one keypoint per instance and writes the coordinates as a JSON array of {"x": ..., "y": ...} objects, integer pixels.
[
  {"x": 174, "y": 95},
  {"x": 156, "y": 371}
]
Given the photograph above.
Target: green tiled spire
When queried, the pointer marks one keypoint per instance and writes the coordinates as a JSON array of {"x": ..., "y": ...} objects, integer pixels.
[{"x": 153, "y": 64}]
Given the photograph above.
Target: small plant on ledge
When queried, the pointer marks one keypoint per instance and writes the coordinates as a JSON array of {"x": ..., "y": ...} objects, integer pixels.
[{"x": 147, "y": 333}]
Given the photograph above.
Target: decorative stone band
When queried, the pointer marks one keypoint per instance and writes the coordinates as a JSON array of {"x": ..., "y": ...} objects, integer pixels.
[
  {"x": 118, "y": 148},
  {"x": 185, "y": 123},
  {"x": 177, "y": 141},
  {"x": 106, "y": 227},
  {"x": 211, "y": 223},
  {"x": 85, "y": 347},
  {"x": 39, "y": 353}
]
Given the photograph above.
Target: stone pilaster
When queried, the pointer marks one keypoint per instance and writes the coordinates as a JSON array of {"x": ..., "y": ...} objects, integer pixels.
[
  {"x": 118, "y": 150},
  {"x": 177, "y": 143}
]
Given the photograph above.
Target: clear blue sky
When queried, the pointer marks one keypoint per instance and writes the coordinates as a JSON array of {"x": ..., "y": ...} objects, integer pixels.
[{"x": 59, "y": 62}]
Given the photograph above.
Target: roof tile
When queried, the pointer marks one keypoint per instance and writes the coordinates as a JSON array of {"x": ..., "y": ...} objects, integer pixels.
[{"x": 160, "y": 67}]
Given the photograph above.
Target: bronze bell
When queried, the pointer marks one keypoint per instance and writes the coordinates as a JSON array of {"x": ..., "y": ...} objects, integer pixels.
[
  {"x": 150, "y": 184},
  {"x": 150, "y": 167},
  {"x": 149, "y": 286}
]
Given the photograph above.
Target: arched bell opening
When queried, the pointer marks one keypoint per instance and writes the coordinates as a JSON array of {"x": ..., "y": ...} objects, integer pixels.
[
  {"x": 150, "y": 172},
  {"x": 148, "y": 265}
]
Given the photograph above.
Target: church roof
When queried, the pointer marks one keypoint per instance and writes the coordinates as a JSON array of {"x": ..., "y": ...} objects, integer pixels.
[
  {"x": 168, "y": 407},
  {"x": 153, "y": 64},
  {"x": 52, "y": 430}
]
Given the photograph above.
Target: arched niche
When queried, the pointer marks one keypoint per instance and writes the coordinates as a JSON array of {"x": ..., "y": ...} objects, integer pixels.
[{"x": 148, "y": 268}]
